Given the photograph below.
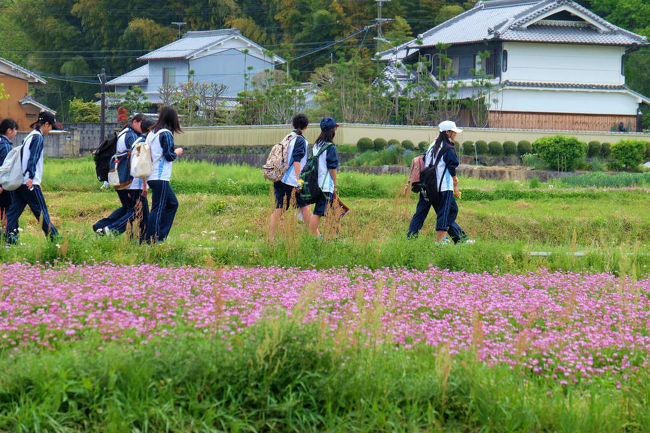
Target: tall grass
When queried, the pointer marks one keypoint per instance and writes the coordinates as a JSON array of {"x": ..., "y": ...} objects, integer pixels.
[{"x": 283, "y": 376}]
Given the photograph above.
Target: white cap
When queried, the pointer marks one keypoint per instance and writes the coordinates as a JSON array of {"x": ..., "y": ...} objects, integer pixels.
[{"x": 448, "y": 125}]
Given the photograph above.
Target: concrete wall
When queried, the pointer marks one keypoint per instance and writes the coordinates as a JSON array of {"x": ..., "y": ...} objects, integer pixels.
[
  {"x": 57, "y": 144},
  {"x": 89, "y": 134},
  {"x": 351, "y": 133}
]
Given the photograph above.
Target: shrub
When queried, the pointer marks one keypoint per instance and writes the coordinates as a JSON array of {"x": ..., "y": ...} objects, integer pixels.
[
  {"x": 509, "y": 148},
  {"x": 408, "y": 145},
  {"x": 593, "y": 149},
  {"x": 468, "y": 148},
  {"x": 605, "y": 150},
  {"x": 481, "y": 147},
  {"x": 380, "y": 144},
  {"x": 393, "y": 142},
  {"x": 560, "y": 152},
  {"x": 496, "y": 148},
  {"x": 346, "y": 148},
  {"x": 364, "y": 144},
  {"x": 629, "y": 153},
  {"x": 423, "y": 145},
  {"x": 532, "y": 160},
  {"x": 524, "y": 147},
  {"x": 647, "y": 150},
  {"x": 83, "y": 112}
]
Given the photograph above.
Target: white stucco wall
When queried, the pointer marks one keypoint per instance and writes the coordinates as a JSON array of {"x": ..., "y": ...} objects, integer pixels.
[
  {"x": 587, "y": 64},
  {"x": 566, "y": 101}
]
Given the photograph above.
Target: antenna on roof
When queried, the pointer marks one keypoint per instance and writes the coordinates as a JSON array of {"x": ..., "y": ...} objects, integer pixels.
[{"x": 179, "y": 24}]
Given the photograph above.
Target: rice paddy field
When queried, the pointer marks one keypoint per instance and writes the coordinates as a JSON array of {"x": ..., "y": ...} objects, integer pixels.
[{"x": 540, "y": 325}]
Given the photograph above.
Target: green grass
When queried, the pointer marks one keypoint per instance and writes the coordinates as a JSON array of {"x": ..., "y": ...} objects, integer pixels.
[{"x": 282, "y": 376}]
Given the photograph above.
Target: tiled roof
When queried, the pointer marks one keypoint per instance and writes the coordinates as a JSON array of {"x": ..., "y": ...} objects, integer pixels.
[
  {"x": 27, "y": 100},
  {"x": 27, "y": 74},
  {"x": 193, "y": 42},
  {"x": 517, "y": 20},
  {"x": 136, "y": 76},
  {"x": 578, "y": 86}
]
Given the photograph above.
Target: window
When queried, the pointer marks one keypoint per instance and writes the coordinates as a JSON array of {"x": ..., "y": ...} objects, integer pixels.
[
  {"x": 504, "y": 61},
  {"x": 455, "y": 66},
  {"x": 169, "y": 76},
  {"x": 478, "y": 64},
  {"x": 623, "y": 65}
]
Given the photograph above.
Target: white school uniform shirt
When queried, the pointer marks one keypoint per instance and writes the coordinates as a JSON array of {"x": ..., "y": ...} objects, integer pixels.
[
  {"x": 325, "y": 181},
  {"x": 36, "y": 180},
  {"x": 162, "y": 169},
  {"x": 289, "y": 177},
  {"x": 448, "y": 181}
]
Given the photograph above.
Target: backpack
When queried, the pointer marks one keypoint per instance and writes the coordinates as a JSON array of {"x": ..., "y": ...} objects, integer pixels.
[
  {"x": 119, "y": 175},
  {"x": 103, "y": 155},
  {"x": 11, "y": 171},
  {"x": 430, "y": 184},
  {"x": 417, "y": 165},
  {"x": 141, "y": 162},
  {"x": 277, "y": 163},
  {"x": 310, "y": 191}
]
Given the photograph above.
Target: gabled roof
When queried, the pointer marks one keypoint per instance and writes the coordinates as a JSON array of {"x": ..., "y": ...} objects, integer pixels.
[
  {"x": 14, "y": 70},
  {"x": 192, "y": 43},
  {"x": 552, "y": 21},
  {"x": 27, "y": 100},
  {"x": 136, "y": 76}
]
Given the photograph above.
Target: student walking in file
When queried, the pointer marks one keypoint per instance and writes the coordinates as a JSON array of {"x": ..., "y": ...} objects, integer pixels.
[
  {"x": 328, "y": 162},
  {"x": 137, "y": 191},
  {"x": 446, "y": 209},
  {"x": 287, "y": 188},
  {"x": 117, "y": 220},
  {"x": 163, "y": 202},
  {"x": 29, "y": 193},
  {"x": 8, "y": 131}
]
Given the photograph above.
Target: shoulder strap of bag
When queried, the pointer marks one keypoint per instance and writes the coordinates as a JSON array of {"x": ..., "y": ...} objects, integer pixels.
[
  {"x": 322, "y": 149},
  {"x": 442, "y": 152},
  {"x": 156, "y": 134}
]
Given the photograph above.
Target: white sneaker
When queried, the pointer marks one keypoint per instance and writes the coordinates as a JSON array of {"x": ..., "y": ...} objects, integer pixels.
[{"x": 107, "y": 231}]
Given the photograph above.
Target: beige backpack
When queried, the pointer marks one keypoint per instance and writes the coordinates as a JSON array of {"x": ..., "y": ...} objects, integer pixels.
[{"x": 277, "y": 162}]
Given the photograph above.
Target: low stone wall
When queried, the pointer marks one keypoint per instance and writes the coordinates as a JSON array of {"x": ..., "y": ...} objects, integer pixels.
[
  {"x": 89, "y": 134},
  {"x": 57, "y": 144}
]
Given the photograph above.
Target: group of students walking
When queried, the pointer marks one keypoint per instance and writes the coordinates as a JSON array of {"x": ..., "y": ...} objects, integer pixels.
[
  {"x": 287, "y": 190},
  {"x": 154, "y": 225}
]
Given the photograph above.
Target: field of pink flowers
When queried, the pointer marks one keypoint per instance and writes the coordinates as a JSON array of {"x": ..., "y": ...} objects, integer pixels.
[{"x": 565, "y": 326}]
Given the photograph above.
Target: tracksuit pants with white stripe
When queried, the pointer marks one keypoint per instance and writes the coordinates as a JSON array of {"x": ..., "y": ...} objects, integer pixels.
[
  {"x": 446, "y": 212},
  {"x": 33, "y": 198},
  {"x": 163, "y": 210},
  {"x": 125, "y": 215}
]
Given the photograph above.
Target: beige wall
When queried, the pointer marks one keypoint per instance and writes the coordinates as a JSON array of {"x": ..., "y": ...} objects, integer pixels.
[{"x": 351, "y": 133}]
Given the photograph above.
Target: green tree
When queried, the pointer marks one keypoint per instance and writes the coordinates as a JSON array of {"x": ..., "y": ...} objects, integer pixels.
[
  {"x": 135, "y": 100},
  {"x": 83, "y": 112}
]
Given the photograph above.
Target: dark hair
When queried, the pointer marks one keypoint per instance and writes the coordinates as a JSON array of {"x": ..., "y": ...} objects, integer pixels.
[
  {"x": 7, "y": 124},
  {"x": 326, "y": 136},
  {"x": 300, "y": 121},
  {"x": 168, "y": 119},
  {"x": 138, "y": 118},
  {"x": 443, "y": 136}
]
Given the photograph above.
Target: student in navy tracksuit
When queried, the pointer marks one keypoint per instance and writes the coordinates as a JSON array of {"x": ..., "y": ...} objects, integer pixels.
[
  {"x": 163, "y": 202},
  {"x": 29, "y": 193},
  {"x": 328, "y": 162},
  {"x": 137, "y": 191},
  {"x": 287, "y": 188},
  {"x": 8, "y": 131},
  {"x": 446, "y": 209},
  {"x": 117, "y": 221}
]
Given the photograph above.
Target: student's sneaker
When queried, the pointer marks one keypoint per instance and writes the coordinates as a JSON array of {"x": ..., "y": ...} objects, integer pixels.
[
  {"x": 108, "y": 232},
  {"x": 443, "y": 241},
  {"x": 470, "y": 241}
]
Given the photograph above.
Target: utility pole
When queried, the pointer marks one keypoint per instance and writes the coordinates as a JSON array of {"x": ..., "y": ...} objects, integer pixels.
[
  {"x": 102, "y": 116},
  {"x": 179, "y": 24},
  {"x": 379, "y": 20}
]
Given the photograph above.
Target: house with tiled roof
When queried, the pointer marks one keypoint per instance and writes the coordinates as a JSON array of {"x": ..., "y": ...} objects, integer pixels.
[
  {"x": 17, "y": 104},
  {"x": 215, "y": 56},
  {"x": 554, "y": 64}
]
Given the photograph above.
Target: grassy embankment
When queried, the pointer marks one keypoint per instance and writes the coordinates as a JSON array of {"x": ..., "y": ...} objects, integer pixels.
[{"x": 224, "y": 211}]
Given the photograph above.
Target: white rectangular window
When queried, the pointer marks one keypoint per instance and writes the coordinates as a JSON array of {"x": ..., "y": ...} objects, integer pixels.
[{"x": 169, "y": 76}]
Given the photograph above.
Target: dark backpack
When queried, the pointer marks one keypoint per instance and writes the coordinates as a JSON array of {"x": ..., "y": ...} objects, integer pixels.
[
  {"x": 311, "y": 191},
  {"x": 429, "y": 182},
  {"x": 103, "y": 155}
]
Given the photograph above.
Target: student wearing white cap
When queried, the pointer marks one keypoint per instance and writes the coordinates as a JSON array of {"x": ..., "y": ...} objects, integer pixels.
[{"x": 446, "y": 208}]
